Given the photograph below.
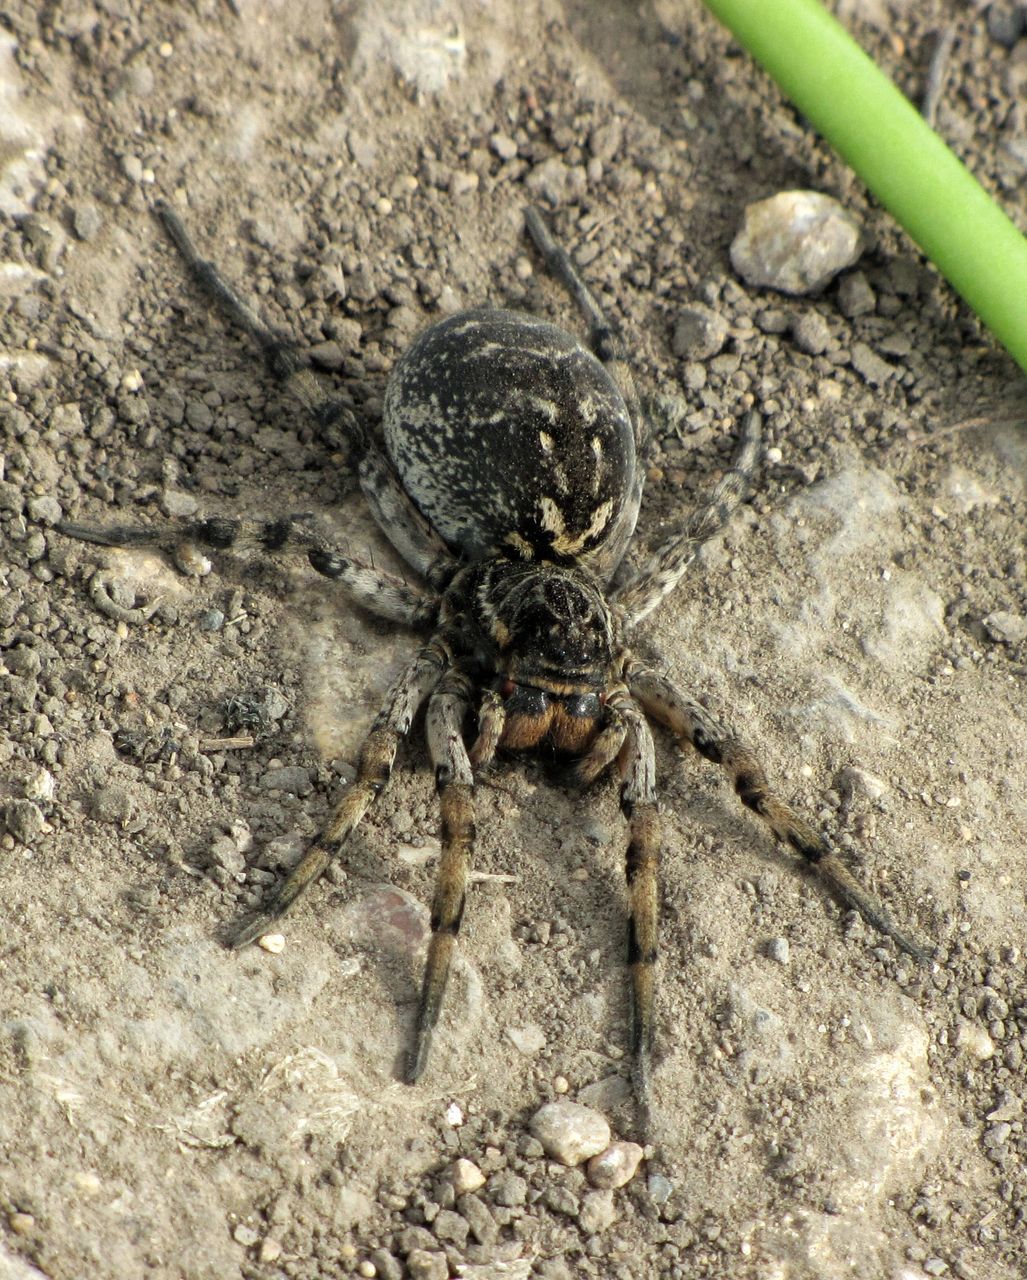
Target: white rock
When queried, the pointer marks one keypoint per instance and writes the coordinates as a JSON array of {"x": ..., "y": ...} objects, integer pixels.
[
  {"x": 465, "y": 1176},
  {"x": 975, "y": 1040},
  {"x": 614, "y": 1167},
  {"x": 796, "y": 241},
  {"x": 570, "y": 1132}
]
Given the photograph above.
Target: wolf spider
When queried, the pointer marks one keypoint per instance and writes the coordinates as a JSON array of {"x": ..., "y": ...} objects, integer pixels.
[{"x": 510, "y": 482}]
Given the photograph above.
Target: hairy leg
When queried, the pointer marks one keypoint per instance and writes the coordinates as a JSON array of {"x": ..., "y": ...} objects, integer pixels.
[
  {"x": 374, "y": 769},
  {"x": 380, "y": 593},
  {"x": 637, "y": 597},
  {"x": 693, "y": 724},
  {"x": 396, "y": 515},
  {"x": 447, "y": 710}
]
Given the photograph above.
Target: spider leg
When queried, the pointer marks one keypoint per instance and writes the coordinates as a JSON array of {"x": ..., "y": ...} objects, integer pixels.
[
  {"x": 491, "y": 722},
  {"x": 692, "y": 723},
  {"x": 606, "y": 747},
  {"x": 447, "y": 710},
  {"x": 374, "y": 768},
  {"x": 607, "y": 347},
  {"x": 646, "y": 589},
  {"x": 382, "y": 594},
  {"x": 394, "y": 512},
  {"x": 638, "y": 803}
]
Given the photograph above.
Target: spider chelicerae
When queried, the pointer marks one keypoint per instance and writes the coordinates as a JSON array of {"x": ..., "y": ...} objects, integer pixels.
[{"x": 508, "y": 475}]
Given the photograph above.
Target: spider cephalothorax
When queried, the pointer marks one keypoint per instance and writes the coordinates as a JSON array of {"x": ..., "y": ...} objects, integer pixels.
[{"x": 510, "y": 481}]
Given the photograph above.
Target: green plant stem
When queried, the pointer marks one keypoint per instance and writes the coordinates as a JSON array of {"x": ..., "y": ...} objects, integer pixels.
[{"x": 899, "y": 157}]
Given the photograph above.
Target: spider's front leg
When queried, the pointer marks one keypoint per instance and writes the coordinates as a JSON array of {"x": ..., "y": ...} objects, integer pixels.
[
  {"x": 693, "y": 724},
  {"x": 377, "y": 755},
  {"x": 454, "y": 782},
  {"x": 638, "y": 803}
]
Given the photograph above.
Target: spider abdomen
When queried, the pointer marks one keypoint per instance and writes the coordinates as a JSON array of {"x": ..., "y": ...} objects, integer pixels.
[{"x": 511, "y": 436}]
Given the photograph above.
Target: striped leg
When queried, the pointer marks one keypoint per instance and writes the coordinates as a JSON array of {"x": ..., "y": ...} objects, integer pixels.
[
  {"x": 692, "y": 723},
  {"x": 373, "y": 771},
  {"x": 447, "y": 711},
  {"x": 396, "y": 515},
  {"x": 665, "y": 569},
  {"x": 638, "y": 803},
  {"x": 382, "y": 594}
]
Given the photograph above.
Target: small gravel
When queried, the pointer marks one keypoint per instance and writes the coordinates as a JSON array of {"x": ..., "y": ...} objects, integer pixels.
[{"x": 570, "y": 1132}]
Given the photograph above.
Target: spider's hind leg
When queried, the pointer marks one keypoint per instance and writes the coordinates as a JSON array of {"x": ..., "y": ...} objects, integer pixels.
[
  {"x": 657, "y": 579},
  {"x": 691, "y": 723},
  {"x": 382, "y": 594},
  {"x": 396, "y": 515}
]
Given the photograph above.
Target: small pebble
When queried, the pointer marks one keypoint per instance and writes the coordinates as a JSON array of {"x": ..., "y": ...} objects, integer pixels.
[
  {"x": 245, "y": 1236},
  {"x": 273, "y": 943},
  {"x": 796, "y": 242},
  {"x": 454, "y": 1115},
  {"x": 367, "y": 1268},
  {"x": 24, "y": 820},
  {"x": 86, "y": 221},
  {"x": 465, "y": 1176},
  {"x": 423, "y": 1265},
  {"x": 614, "y": 1167},
  {"x": 40, "y": 785},
  {"x": 291, "y": 778},
  {"x": 387, "y": 1265},
  {"x": 975, "y": 1040},
  {"x": 509, "y": 1190},
  {"x": 855, "y": 296},
  {"x": 869, "y": 365},
  {"x": 22, "y": 1224},
  {"x": 570, "y": 1132},
  {"x": 1002, "y": 625},
  {"x": 778, "y": 950},
  {"x": 700, "y": 333},
  {"x": 659, "y": 1188},
  {"x": 1005, "y": 23},
  {"x": 811, "y": 333},
  {"x": 270, "y": 1249},
  {"x": 503, "y": 146},
  {"x": 561, "y": 1084},
  {"x": 596, "y": 1212}
]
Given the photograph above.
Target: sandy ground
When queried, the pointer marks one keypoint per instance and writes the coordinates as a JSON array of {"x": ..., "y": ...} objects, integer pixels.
[{"x": 171, "y": 1109}]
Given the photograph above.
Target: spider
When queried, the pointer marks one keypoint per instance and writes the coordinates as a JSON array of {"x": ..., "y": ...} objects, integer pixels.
[{"x": 509, "y": 478}]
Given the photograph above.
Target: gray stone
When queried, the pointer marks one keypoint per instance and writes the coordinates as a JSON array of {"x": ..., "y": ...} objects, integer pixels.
[
  {"x": 292, "y": 778},
  {"x": 509, "y": 1190},
  {"x": 699, "y": 334},
  {"x": 869, "y": 365},
  {"x": 23, "y": 820},
  {"x": 1002, "y": 625},
  {"x": 86, "y": 220},
  {"x": 855, "y": 296},
  {"x": 811, "y": 333}
]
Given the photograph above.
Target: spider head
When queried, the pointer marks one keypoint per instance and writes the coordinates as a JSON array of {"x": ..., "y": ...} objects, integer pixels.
[{"x": 554, "y": 638}]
